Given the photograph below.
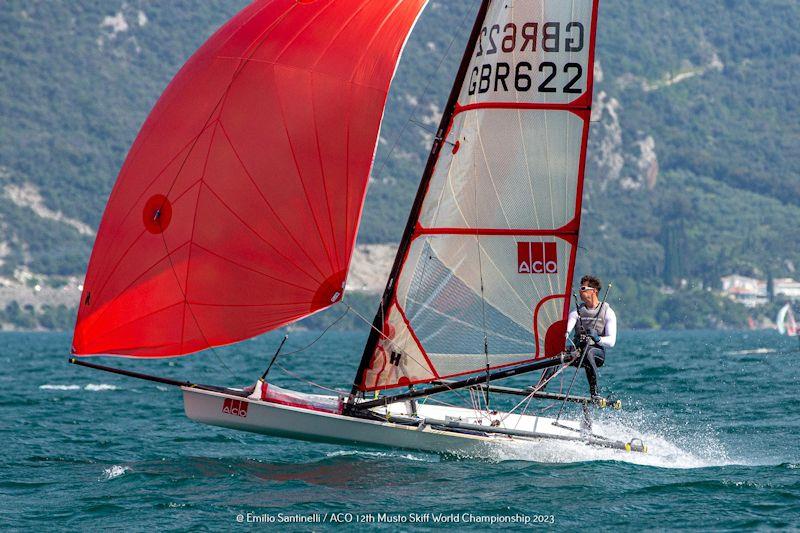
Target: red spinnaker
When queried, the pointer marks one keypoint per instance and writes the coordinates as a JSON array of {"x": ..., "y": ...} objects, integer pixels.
[{"x": 237, "y": 207}]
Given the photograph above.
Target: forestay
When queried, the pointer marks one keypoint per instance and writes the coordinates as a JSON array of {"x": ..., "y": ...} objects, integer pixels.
[
  {"x": 483, "y": 278},
  {"x": 237, "y": 207}
]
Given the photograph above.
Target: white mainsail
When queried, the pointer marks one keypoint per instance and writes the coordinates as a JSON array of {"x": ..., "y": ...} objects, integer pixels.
[{"x": 485, "y": 276}]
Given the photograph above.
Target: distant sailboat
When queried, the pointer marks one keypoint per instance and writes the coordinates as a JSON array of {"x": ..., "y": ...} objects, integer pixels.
[
  {"x": 787, "y": 325},
  {"x": 237, "y": 209}
]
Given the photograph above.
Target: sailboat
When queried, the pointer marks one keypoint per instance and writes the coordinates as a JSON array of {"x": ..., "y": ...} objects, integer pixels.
[
  {"x": 237, "y": 208},
  {"x": 787, "y": 325}
]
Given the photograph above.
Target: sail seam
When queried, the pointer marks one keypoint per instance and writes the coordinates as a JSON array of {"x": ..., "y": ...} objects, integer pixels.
[
  {"x": 185, "y": 289},
  {"x": 231, "y": 261},
  {"x": 302, "y": 181},
  {"x": 190, "y": 146},
  {"x": 269, "y": 206},
  {"x": 257, "y": 234}
]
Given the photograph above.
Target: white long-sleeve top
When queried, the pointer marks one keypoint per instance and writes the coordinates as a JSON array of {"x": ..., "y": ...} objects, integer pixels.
[{"x": 608, "y": 338}]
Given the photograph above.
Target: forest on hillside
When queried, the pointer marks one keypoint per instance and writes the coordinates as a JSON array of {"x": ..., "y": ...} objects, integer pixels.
[{"x": 709, "y": 85}]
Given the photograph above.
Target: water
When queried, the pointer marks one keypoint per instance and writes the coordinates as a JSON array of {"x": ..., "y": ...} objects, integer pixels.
[{"x": 720, "y": 412}]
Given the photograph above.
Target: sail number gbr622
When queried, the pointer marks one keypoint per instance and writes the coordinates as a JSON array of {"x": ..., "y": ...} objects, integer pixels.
[{"x": 531, "y": 37}]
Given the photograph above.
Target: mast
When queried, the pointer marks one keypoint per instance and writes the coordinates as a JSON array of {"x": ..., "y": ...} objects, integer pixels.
[{"x": 405, "y": 241}]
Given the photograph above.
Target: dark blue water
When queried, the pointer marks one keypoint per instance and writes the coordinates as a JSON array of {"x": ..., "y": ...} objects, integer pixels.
[{"x": 86, "y": 450}]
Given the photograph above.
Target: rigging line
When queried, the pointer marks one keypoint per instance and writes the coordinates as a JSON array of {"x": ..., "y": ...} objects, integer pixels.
[
  {"x": 527, "y": 401},
  {"x": 306, "y": 347},
  {"x": 441, "y": 402},
  {"x": 480, "y": 275},
  {"x": 534, "y": 390},
  {"x": 219, "y": 359},
  {"x": 308, "y": 381},
  {"x": 324, "y": 331},
  {"x": 569, "y": 389},
  {"x": 546, "y": 408},
  {"x": 427, "y": 129},
  {"x": 467, "y": 12}
]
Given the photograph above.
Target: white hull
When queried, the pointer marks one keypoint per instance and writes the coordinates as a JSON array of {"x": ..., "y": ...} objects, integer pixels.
[{"x": 430, "y": 435}]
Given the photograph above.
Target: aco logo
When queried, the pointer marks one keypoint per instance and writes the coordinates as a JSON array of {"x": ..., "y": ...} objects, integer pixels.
[
  {"x": 537, "y": 258},
  {"x": 235, "y": 407}
]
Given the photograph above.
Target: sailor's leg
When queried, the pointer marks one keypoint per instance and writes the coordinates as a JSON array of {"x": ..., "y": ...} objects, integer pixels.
[{"x": 595, "y": 357}]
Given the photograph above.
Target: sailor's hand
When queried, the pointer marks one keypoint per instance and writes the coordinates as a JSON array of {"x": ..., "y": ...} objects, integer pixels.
[{"x": 595, "y": 337}]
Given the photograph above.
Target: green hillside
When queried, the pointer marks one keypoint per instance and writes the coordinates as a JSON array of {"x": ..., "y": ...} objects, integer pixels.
[{"x": 699, "y": 113}]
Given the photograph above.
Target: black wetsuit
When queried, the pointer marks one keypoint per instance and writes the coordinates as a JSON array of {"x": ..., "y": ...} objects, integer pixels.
[{"x": 589, "y": 321}]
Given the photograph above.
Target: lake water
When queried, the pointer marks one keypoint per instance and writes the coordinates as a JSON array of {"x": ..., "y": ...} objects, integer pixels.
[{"x": 84, "y": 449}]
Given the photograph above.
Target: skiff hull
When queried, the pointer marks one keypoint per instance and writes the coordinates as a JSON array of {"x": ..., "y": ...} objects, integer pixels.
[{"x": 266, "y": 418}]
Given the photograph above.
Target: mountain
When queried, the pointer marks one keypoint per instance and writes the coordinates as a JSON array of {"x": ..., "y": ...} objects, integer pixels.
[{"x": 692, "y": 170}]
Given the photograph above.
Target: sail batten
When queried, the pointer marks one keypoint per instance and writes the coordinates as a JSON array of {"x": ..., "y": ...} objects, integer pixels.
[
  {"x": 236, "y": 209},
  {"x": 484, "y": 273}
]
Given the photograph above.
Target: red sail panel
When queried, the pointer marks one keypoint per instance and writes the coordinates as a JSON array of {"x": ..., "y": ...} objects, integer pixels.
[
  {"x": 486, "y": 278},
  {"x": 237, "y": 207}
]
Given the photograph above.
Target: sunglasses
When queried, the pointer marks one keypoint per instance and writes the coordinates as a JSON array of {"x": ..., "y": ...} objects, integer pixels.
[{"x": 586, "y": 288}]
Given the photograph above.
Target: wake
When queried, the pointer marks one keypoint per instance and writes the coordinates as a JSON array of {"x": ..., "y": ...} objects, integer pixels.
[{"x": 666, "y": 447}]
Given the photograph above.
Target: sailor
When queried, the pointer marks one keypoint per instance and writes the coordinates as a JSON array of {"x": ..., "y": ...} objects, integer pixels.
[{"x": 595, "y": 329}]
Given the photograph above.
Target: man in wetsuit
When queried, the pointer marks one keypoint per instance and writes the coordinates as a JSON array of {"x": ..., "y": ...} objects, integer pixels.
[{"x": 593, "y": 323}]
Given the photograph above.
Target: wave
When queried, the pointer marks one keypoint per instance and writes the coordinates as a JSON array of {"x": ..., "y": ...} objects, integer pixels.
[
  {"x": 398, "y": 455},
  {"x": 97, "y": 387},
  {"x": 91, "y": 387},
  {"x": 113, "y": 472},
  {"x": 753, "y": 351}
]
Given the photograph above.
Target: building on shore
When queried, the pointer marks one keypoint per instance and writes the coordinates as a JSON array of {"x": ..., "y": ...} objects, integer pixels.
[
  {"x": 786, "y": 289},
  {"x": 750, "y": 292}
]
